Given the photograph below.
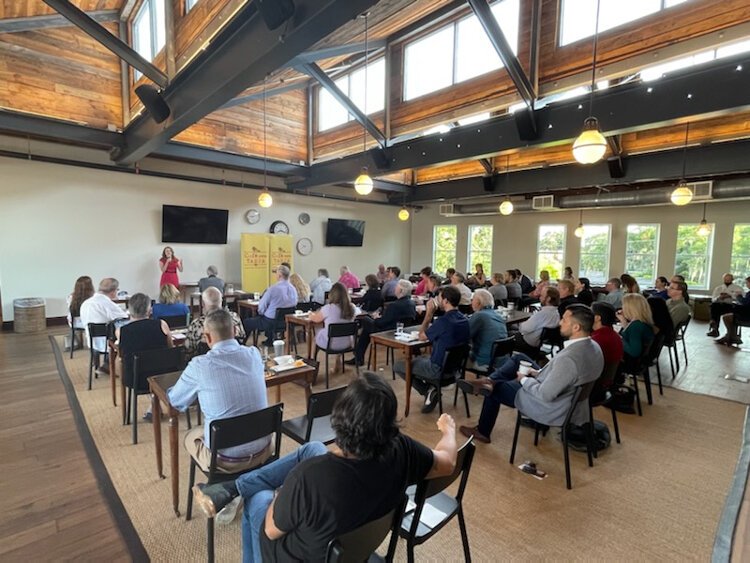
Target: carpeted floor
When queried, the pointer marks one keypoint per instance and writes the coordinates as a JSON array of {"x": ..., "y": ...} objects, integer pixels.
[{"x": 657, "y": 495}]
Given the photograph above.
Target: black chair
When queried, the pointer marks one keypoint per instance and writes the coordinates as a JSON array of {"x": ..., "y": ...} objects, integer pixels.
[
  {"x": 74, "y": 331},
  {"x": 336, "y": 330},
  {"x": 679, "y": 335},
  {"x": 431, "y": 492},
  {"x": 501, "y": 303},
  {"x": 581, "y": 395},
  {"x": 453, "y": 370},
  {"x": 315, "y": 426},
  {"x": 552, "y": 338},
  {"x": 146, "y": 364},
  {"x": 663, "y": 322},
  {"x": 500, "y": 348},
  {"x": 359, "y": 545},
  {"x": 228, "y": 433},
  {"x": 96, "y": 330},
  {"x": 305, "y": 307},
  {"x": 601, "y": 397},
  {"x": 466, "y": 309},
  {"x": 650, "y": 357},
  {"x": 177, "y": 321},
  {"x": 279, "y": 329}
]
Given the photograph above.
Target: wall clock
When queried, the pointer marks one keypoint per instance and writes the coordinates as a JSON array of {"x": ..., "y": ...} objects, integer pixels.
[
  {"x": 279, "y": 228},
  {"x": 303, "y": 218},
  {"x": 304, "y": 246},
  {"x": 252, "y": 216}
]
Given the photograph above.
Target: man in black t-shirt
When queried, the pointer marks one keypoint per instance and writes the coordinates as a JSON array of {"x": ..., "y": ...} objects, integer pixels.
[{"x": 326, "y": 494}]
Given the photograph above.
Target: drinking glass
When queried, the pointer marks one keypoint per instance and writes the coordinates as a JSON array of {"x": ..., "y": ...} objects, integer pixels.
[{"x": 399, "y": 328}]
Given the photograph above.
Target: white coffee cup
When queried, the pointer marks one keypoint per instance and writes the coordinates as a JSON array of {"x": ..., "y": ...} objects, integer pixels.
[
  {"x": 524, "y": 368},
  {"x": 278, "y": 347},
  {"x": 299, "y": 312},
  {"x": 256, "y": 295}
]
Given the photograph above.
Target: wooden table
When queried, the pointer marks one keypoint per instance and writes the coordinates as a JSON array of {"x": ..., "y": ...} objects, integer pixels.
[
  {"x": 514, "y": 317},
  {"x": 387, "y": 339},
  {"x": 305, "y": 322},
  {"x": 160, "y": 384},
  {"x": 250, "y": 306}
]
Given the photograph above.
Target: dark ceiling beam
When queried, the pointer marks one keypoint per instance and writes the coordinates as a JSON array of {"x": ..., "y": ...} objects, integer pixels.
[
  {"x": 55, "y": 130},
  {"x": 487, "y": 165},
  {"x": 704, "y": 91},
  {"x": 338, "y": 51},
  {"x": 242, "y": 54},
  {"x": 703, "y": 161},
  {"x": 238, "y": 101},
  {"x": 35, "y": 23},
  {"x": 81, "y": 20},
  {"x": 496, "y": 36},
  {"x": 314, "y": 71}
]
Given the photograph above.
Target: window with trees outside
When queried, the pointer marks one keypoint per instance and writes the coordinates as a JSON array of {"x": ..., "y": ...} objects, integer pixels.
[
  {"x": 641, "y": 253},
  {"x": 149, "y": 31},
  {"x": 480, "y": 247},
  {"x": 594, "y": 263},
  {"x": 444, "y": 247},
  {"x": 457, "y": 52},
  {"x": 331, "y": 113},
  {"x": 579, "y": 16},
  {"x": 550, "y": 250},
  {"x": 741, "y": 251},
  {"x": 693, "y": 255}
]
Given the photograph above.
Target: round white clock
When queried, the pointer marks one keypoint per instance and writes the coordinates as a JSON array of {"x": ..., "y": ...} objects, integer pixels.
[
  {"x": 252, "y": 216},
  {"x": 304, "y": 246}
]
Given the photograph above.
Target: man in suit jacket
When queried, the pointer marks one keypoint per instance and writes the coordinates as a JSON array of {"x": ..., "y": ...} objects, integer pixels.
[
  {"x": 400, "y": 310},
  {"x": 544, "y": 395}
]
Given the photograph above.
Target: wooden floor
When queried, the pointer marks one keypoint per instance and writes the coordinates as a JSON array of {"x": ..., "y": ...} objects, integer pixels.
[{"x": 52, "y": 505}]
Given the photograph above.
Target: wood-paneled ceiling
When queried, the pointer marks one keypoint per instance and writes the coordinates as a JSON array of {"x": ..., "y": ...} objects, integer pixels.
[{"x": 29, "y": 8}]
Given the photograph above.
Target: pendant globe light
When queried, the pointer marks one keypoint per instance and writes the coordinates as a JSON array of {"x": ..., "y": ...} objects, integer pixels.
[
  {"x": 579, "y": 229},
  {"x": 506, "y": 207},
  {"x": 363, "y": 183},
  {"x": 591, "y": 145},
  {"x": 403, "y": 214},
  {"x": 265, "y": 199},
  {"x": 704, "y": 229},
  {"x": 682, "y": 194}
]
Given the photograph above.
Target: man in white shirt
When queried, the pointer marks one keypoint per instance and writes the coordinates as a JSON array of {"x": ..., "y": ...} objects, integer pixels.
[
  {"x": 529, "y": 338},
  {"x": 100, "y": 308},
  {"x": 320, "y": 285},
  {"x": 457, "y": 280},
  {"x": 722, "y": 299}
]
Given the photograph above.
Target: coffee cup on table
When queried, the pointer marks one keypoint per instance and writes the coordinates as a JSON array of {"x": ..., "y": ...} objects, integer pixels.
[
  {"x": 299, "y": 312},
  {"x": 278, "y": 347},
  {"x": 256, "y": 295},
  {"x": 524, "y": 368}
]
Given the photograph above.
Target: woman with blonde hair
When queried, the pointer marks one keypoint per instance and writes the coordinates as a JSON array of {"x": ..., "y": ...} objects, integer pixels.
[
  {"x": 170, "y": 303},
  {"x": 541, "y": 285},
  {"x": 303, "y": 290},
  {"x": 338, "y": 310},
  {"x": 638, "y": 327}
]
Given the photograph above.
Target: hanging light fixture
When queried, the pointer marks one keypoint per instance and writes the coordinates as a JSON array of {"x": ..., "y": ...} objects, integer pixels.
[
  {"x": 506, "y": 207},
  {"x": 363, "y": 183},
  {"x": 591, "y": 145},
  {"x": 579, "y": 229},
  {"x": 403, "y": 214},
  {"x": 265, "y": 199},
  {"x": 704, "y": 229},
  {"x": 682, "y": 194}
]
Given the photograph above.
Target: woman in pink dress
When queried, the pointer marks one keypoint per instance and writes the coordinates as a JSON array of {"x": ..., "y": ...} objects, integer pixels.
[{"x": 169, "y": 265}]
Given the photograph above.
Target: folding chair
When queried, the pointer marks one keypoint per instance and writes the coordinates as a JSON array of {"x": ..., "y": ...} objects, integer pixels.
[
  {"x": 337, "y": 330},
  {"x": 315, "y": 426}
]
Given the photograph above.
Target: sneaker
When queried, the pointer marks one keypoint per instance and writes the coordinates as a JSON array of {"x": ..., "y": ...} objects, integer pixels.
[
  {"x": 227, "y": 514},
  {"x": 430, "y": 401},
  {"x": 213, "y": 498},
  {"x": 352, "y": 362}
]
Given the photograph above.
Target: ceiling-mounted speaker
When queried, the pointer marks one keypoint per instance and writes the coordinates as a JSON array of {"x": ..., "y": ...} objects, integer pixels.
[
  {"x": 526, "y": 123},
  {"x": 275, "y": 12},
  {"x": 153, "y": 102},
  {"x": 489, "y": 183},
  {"x": 616, "y": 167}
]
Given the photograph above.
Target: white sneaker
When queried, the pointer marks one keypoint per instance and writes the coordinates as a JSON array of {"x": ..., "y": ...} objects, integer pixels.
[{"x": 227, "y": 514}]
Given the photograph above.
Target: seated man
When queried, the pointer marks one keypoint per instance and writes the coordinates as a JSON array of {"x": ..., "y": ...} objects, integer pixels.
[
  {"x": 524, "y": 281},
  {"x": 529, "y": 336},
  {"x": 497, "y": 287},
  {"x": 457, "y": 281},
  {"x": 614, "y": 293},
  {"x": 211, "y": 299},
  {"x": 485, "y": 326},
  {"x": 567, "y": 295},
  {"x": 679, "y": 310},
  {"x": 545, "y": 395},
  {"x": 348, "y": 279},
  {"x": 320, "y": 286},
  {"x": 740, "y": 313},
  {"x": 326, "y": 494},
  {"x": 279, "y": 295},
  {"x": 722, "y": 299},
  {"x": 400, "y": 310},
  {"x": 512, "y": 286},
  {"x": 228, "y": 381},
  {"x": 101, "y": 308},
  {"x": 212, "y": 279},
  {"x": 381, "y": 274},
  {"x": 389, "y": 287},
  {"x": 448, "y": 331}
]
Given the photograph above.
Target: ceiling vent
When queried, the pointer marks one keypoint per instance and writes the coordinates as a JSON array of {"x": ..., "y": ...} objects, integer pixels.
[
  {"x": 702, "y": 191},
  {"x": 543, "y": 203},
  {"x": 446, "y": 209}
]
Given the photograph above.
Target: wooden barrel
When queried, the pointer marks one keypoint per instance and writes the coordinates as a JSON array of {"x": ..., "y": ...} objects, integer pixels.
[{"x": 29, "y": 315}]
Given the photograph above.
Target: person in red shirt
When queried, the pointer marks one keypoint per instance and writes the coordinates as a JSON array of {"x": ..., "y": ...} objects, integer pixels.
[{"x": 604, "y": 335}]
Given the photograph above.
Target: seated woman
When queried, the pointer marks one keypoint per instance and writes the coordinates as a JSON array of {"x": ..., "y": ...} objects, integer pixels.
[
  {"x": 338, "y": 310},
  {"x": 638, "y": 329},
  {"x": 194, "y": 342},
  {"x": 629, "y": 285},
  {"x": 170, "y": 304},
  {"x": 477, "y": 279},
  {"x": 583, "y": 292},
  {"x": 212, "y": 279},
  {"x": 372, "y": 300},
  {"x": 303, "y": 290},
  {"x": 424, "y": 275},
  {"x": 82, "y": 290}
]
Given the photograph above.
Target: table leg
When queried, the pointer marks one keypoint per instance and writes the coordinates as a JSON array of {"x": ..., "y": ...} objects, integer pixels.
[
  {"x": 278, "y": 393},
  {"x": 156, "y": 421},
  {"x": 174, "y": 459},
  {"x": 289, "y": 331},
  {"x": 122, "y": 399},
  {"x": 310, "y": 338},
  {"x": 407, "y": 379},
  {"x": 112, "y": 377},
  {"x": 374, "y": 356}
]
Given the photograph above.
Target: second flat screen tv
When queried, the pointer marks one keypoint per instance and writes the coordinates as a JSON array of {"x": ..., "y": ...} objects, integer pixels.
[
  {"x": 194, "y": 225},
  {"x": 345, "y": 232}
]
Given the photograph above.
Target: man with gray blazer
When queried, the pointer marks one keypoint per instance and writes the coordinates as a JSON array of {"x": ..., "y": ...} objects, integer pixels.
[{"x": 545, "y": 395}]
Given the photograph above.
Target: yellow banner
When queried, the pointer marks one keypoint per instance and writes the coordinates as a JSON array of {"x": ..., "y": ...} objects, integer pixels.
[
  {"x": 281, "y": 251},
  {"x": 254, "y": 254}
]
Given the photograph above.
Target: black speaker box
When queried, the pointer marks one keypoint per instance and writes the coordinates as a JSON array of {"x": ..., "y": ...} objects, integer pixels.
[
  {"x": 616, "y": 167},
  {"x": 275, "y": 12},
  {"x": 489, "y": 183},
  {"x": 153, "y": 102}
]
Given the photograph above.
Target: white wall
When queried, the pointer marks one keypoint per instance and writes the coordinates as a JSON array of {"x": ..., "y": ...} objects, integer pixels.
[
  {"x": 59, "y": 222},
  {"x": 515, "y": 236}
]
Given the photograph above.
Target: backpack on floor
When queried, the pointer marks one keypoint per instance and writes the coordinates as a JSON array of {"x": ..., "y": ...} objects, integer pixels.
[
  {"x": 577, "y": 436},
  {"x": 623, "y": 399}
]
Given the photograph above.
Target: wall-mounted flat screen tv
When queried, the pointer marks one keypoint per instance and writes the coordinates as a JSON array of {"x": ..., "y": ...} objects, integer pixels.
[
  {"x": 345, "y": 232},
  {"x": 194, "y": 225}
]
